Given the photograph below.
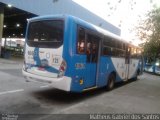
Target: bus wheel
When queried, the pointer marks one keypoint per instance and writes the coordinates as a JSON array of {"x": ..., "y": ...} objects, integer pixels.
[
  {"x": 136, "y": 77},
  {"x": 111, "y": 81}
]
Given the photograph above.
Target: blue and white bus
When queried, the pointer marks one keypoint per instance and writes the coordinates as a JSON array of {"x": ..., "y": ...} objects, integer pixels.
[
  {"x": 73, "y": 55},
  {"x": 152, "y": 65}
]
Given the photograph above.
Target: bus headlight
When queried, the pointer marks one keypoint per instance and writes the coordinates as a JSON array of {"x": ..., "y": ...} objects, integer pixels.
[{"x": 157, "y": 64}]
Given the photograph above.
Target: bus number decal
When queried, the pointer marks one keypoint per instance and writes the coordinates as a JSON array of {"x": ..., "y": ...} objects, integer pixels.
[
  {"x": 80, "y": 65},
  {"x": 32, "y": 53},
  {"x": 55, "y": 60}
]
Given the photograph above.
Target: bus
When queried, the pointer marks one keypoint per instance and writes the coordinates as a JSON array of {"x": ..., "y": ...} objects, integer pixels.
[
  {"x": 152, "y": 65},
  {"x": 73, "y": 55}
]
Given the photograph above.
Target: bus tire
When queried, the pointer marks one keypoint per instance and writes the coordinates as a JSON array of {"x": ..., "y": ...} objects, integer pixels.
[
  {"x": 136, "y": 77},
  {"x": 111, "y": 82}
]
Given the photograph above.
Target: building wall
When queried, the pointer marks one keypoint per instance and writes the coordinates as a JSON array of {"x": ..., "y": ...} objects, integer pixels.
[
  {"x": 1, "y": 24},
  {"x": 13, "y": 42},
  {"x": 48, "y": 7}
]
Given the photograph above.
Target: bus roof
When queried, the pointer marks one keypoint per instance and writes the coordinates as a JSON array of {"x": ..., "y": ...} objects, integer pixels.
[{"x": 81, "y": 22}]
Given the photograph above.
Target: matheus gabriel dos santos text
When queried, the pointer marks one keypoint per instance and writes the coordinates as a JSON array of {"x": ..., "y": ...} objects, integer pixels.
[{"x": 124, "y": 116}]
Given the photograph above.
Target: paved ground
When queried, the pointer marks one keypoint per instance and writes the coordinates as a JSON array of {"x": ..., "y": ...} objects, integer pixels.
[{"x": 28, "y": 98}]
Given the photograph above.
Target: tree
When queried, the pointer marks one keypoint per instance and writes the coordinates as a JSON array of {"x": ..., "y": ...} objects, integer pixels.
[
  {"x": 115, "y": 5},
  {"x": 149, "y": 31}
]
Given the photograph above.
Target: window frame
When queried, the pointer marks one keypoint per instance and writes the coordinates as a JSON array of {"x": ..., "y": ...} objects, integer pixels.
[
  {"x": 87, "y": 31},
  {"x": 77, "y": 40},
  {"x": 40, "y": 44},
  {"x": 114, "y": 48}
]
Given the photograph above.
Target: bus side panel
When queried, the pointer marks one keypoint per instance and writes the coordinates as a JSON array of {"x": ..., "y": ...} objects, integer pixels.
[
  {"x": 106, "y": 68},
  {"x": 157, "y": 66},
  {"x": 78, "y": 64},
  {"x": 157, "y": 69},
  {"x": 69, "y": 55},
  {"x": 120, "y": 68},
  {"x": 79, "y": 75},
  {"x": 149, "y": 68},
  {"x": 67, "y": 50},
  {"x": 134, "y": 68}
]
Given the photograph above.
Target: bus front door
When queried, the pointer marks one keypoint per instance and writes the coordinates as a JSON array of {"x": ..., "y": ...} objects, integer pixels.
[
  {"x": 127, "y": 62},
  {"x": 92, "y": 51},
  {"x": 141, "y": 64}
]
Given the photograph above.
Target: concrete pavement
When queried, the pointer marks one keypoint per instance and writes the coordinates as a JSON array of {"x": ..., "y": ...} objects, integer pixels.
[{"x": 20, "y": 97}]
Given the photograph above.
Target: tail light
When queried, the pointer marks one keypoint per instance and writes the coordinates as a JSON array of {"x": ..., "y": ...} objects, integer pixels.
[{"x": 62, "y": 68}]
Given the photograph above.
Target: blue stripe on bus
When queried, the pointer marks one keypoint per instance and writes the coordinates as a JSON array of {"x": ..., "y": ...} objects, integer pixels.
[
  {"x": 38, "y": 62},
  {"x": 72, "y": 58}
]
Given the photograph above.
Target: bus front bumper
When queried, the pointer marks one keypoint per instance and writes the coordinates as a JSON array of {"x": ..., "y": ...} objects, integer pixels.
[{"x": 63, "y": 83}]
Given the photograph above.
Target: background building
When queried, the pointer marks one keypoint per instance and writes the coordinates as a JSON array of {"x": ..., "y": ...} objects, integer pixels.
[{"x": 14, "y": 15}]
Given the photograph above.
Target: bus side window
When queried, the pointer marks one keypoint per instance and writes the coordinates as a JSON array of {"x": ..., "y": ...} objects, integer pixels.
[
  {"x": 127, "y": 56},
  {"x": 92, "y": 48},
  {"x": 124, "y": 46},
  {"x": 94, "y": 52},
  {"x": 81, "y": 41},
  {"x": 106, "y": 50},
  {"x": 88, "y": 51},
  {"x": 107, "y": 46}
]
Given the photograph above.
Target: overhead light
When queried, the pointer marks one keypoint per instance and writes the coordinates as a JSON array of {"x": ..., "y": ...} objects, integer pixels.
[
  {"x": 13, "y": 34},
  {"x": 4, "y": 26},
  {"x": 9, "y": 5},
  {"x": 17, "y": 25},
  {"x": 21, "y": 34}
]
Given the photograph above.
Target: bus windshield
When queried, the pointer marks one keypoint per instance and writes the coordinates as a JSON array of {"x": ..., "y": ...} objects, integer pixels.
[{"x": 45, "y": 34}]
